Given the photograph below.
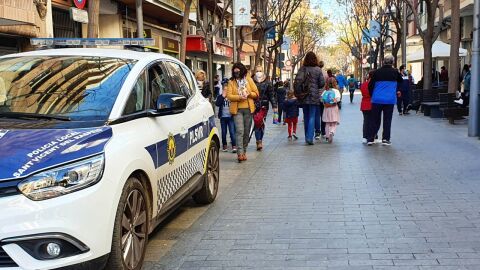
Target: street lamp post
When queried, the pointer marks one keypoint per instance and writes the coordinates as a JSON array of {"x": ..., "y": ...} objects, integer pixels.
[
  {"x": 404, "y": 35},
  {"x": 474, "y": 123}
]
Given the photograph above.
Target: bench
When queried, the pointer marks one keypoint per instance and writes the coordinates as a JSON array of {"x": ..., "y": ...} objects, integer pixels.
[
  {"x": 451, "y": 110},
  {"x": 430, "y": 102},
  {"x": 416, "y": 101}
]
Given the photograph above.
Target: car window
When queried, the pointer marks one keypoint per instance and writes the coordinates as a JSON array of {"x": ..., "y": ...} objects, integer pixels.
[
  {"x": 136, "y": 100},
  {"x": 179, "y": 78},
  {"x": 190, "y": 78},
  {"x": 158, "y": 84},
  {"x": 82, "y": 88}
]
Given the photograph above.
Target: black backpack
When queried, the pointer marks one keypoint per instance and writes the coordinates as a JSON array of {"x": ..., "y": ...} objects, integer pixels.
[{"x": 301, "y": 84}]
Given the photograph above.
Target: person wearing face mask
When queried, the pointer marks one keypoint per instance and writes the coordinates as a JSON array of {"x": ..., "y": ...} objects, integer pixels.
[
  {"x": 204, "y": 86},
  {"x": 267, "y": 96},
  {"x": 242, "y": 92}
]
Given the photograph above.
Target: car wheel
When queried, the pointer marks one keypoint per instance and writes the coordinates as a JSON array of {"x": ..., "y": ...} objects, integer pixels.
[
  {"x": 209, "y": 190},
  {"x": 130, "y": 233}
]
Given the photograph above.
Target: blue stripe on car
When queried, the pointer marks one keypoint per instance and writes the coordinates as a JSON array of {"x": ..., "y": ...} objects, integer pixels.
[{"x": 195, "y": 135}]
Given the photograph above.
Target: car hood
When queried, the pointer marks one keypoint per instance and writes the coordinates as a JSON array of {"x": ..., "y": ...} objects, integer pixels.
[{"x": 24, "y": 152}]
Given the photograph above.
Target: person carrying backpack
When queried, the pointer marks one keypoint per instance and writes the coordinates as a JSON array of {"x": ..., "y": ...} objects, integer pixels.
[
  {"x": 352, "y": 85},
  {"x": 307, "y": 85},
  {"x": 331, "y": 115}
]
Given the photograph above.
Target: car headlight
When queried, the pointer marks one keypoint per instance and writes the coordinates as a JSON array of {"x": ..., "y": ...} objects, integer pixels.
[{"x": 63, "y": 180}]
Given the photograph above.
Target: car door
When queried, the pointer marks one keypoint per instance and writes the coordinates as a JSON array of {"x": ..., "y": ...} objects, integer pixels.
[
  {"x": 171, "y": 144},
  {"x": 195, "y": 116}
]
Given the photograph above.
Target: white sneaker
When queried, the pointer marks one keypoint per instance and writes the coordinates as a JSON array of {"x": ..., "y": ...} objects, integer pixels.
[
  {"x": 459, "y": 101},
  {"x": 364, "y": 140},
  {"x": 370, "y": 143}
]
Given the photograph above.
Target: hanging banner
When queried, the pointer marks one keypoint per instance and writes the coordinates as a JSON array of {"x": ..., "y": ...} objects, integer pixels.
[
  {"x": 286, "y": 43},
  {"x": 270, "y": 34},
  {"x": 375, "y": 29},
  {"x": 241, "y": 12}
]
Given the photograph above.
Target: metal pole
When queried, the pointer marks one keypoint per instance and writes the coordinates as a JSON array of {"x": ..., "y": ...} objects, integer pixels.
[
  {"x": 138, "y": 4},
  {"x": 473, "y": 121},
  {"x": 234, "y": 28},
  {"x": 404, "y": 35}
]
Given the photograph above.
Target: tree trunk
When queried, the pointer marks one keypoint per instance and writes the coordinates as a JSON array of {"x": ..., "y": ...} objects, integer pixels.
[
  {"x": 428, "y": 40},
  {"x": 427, "y": 63},
  {"x": 269, "y": 63},
  {"x": 241, "y": 38},
  {"x": 454, "y": 69},
  {"x": 275, "y": 65},
  {"x": 93, "y": 17},
  {"x": 183, "y": 43},
  {"x": 259, "y": 51},
  {"x": 210, "y": 67}
]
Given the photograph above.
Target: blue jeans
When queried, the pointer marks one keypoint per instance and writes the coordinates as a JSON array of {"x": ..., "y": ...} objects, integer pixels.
[
  {"x": 228, "y": 124},
  {"x": 319, "y": 124},
  {"x": 259, "y": 132},
  {"x": 309, "y": 112}
]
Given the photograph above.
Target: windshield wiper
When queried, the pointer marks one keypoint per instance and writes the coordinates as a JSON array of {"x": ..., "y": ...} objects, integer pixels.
[{"x": 23, "y": 115}]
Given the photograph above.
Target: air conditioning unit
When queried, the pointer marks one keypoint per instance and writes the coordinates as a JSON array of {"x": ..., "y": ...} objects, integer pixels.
[{"x": 192, "y": 30}]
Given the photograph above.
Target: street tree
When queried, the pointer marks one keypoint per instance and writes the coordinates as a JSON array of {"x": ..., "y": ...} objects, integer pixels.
[
  {"x": 430, "y": 34},
  {"x": 185, "y": 24},
  {"x": 93, "y": 18},
  {"x": 210, "y": 25},
  {"x": 282, "y": 14},
  {"x": 358, "y": 14},
  {"x": 306, "y": 30},
  {"x": 454, "y": 80}
]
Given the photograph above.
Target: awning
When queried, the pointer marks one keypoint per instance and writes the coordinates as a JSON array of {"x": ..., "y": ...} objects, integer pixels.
[{"x": 439, "y": 50}]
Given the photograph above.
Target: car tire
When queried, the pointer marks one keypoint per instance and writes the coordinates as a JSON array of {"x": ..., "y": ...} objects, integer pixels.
[
  {"x": 209, "y": 190},
  {"x": 130, "y": 231}
]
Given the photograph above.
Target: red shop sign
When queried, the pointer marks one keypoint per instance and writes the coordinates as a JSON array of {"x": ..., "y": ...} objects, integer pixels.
[{"x": 80, "y": 3}]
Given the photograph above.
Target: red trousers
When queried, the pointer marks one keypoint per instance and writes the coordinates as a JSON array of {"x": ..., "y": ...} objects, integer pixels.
[{"x": 292, "y": 125}]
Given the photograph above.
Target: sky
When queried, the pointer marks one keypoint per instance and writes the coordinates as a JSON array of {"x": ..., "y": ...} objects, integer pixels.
[{"x": 333, "y": 11}]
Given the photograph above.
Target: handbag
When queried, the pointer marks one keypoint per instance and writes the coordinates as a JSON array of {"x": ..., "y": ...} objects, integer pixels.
[{"x": 259, "y": 117}]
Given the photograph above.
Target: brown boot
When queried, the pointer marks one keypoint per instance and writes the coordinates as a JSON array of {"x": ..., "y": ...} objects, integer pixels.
[
  {"x": 244, "y": 156},
  {"x": 240, "y": 158},
  {"x": 259, "y": 146}
]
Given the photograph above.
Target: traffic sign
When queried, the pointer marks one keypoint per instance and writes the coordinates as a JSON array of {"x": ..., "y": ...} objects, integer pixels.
[{"x": 80, "y": 3}]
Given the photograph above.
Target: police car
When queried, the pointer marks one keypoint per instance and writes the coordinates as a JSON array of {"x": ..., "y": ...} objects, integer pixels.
[{"x": 97, "y": 146}]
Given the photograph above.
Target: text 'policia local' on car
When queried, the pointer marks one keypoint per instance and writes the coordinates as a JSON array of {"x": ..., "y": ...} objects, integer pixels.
[{"x": 97, "y": 146}]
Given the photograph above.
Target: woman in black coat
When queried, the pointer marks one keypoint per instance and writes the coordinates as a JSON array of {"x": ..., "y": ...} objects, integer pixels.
[{"x": 267, "y": 95}]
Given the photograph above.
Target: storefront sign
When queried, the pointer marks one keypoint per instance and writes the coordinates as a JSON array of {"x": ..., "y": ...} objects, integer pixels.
[
  {"x": 223, "y": 50},
  {"x": 147, "y": 33},
  {"x": 80, "y": 3},
  {"x": 79, "y": 15},
  {"x": 241, "y": 12},
  {"x": 171, "y": 45}
]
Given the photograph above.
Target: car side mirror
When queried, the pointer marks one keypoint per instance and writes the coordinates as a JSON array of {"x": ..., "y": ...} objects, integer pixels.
[{"x": 168, "y": 104}]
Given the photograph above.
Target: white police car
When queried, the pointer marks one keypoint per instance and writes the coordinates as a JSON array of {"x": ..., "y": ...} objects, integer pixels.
[{"x": 97, "y": 146}]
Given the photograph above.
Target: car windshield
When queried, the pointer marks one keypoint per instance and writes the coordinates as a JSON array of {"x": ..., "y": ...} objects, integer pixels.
[{"x": 77, "y": 88}]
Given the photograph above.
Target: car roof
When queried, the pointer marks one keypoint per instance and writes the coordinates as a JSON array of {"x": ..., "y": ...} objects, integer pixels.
[{"x": 99, "y": 52}]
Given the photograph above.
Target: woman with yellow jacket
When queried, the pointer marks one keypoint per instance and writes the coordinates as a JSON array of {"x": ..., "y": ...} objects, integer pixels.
[{"x": 242, "y": 91}]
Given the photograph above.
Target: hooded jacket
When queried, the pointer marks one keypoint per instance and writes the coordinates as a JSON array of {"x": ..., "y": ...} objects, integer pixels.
[{"x": 384, "y": 84}]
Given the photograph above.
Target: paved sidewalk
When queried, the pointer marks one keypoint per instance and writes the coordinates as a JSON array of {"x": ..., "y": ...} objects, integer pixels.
[{"x": 412, "y": 205}]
